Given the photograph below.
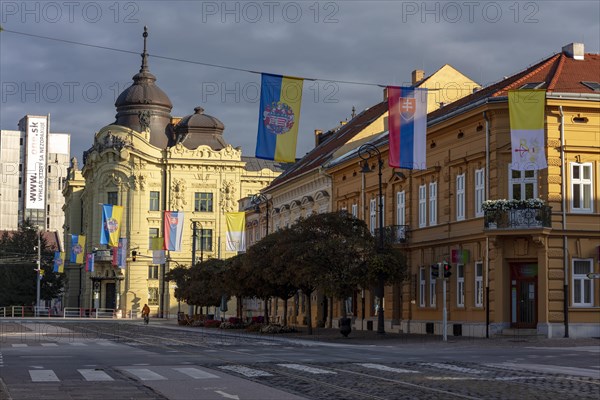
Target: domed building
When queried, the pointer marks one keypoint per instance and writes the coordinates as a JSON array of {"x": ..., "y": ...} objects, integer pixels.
[{"x": 148, "y": 162}]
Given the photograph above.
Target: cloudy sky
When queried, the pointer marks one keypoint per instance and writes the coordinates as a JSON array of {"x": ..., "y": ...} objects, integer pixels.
[{"x": 371, "y": 42}]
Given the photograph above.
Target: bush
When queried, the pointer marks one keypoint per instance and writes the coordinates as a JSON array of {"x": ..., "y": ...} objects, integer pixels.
[
  {"x": 276, "y": 328},
  {"x": 212, "y": 323},
  {"x": 253, "y": 328},
  {"x": 232, "y": 325},
  {"x": 258, "y": 320}
]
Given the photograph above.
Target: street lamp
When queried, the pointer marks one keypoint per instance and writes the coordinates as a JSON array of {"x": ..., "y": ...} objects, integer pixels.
[
  {"x": 366, "y": 152},
  {"x": 256, "y": 200},
  {"x": 194, "y": 229},
  {"x": 38, "y": 232}
]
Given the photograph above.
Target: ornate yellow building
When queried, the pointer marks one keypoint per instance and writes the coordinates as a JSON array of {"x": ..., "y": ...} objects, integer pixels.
[{"x": 149, "y": 162}]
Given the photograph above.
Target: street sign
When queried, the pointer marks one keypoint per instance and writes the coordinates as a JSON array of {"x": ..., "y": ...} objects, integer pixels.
[{"x": 592, "y": 275}]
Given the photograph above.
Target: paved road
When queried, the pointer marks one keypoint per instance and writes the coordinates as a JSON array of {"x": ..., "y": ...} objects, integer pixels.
[{"x": 127, "y": 360}]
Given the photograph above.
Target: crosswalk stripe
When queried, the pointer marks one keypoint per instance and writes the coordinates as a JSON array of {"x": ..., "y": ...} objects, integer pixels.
[
  {"x": 451, "y": 367},
  {"x": 386, "y": 368},
  {"x": 77, "y": 344},
  {"x": 249, "y": 372},
  {"x": 43, "y": 375},
  {"x": 305, "y": 368},
  {"x": 195, "y": 373},
  {"x": 95, "y": 375},
  {"x": 19, "y": 345},
  {"x": 106, "y": 344},
  {"x": 49, "y": 344},
  {"x": 145, "y": 374}
]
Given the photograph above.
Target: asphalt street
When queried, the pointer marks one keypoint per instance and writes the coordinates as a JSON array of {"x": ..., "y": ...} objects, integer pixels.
[{"x": 48, "y": 359}]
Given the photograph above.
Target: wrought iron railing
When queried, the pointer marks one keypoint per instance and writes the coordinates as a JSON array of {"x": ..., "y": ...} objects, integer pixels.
[
  {"x": 393, "y": 234},
  {"x": 518, "y": 218}
]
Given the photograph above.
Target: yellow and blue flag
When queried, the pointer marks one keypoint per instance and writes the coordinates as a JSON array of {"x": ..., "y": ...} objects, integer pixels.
[
  {"x": 77, "y": 249},
  {"x": 279, "y": 117},
  {"x": 59, "y": 262},
  {"x": 111, "y": 224}
]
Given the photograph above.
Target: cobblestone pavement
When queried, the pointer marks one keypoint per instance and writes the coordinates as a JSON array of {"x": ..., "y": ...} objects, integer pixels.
[{"x": 327, "y": 366}]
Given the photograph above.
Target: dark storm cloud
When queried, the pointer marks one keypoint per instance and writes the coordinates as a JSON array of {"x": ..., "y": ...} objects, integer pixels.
[{"x": 365, "y": 41}]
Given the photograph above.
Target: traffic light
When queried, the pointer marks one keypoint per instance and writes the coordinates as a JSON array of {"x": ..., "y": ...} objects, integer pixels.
[
  {"x": 447, "y": 269},
  {"x": 435, "y": 270},
  {"x": 133, "y": 254}
]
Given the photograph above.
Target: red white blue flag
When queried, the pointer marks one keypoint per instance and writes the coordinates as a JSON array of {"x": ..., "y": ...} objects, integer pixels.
[
  {"x": 173, "y": 230},
  {"x": 407, "y": 122},
  {"x": 89, "y": 262}
]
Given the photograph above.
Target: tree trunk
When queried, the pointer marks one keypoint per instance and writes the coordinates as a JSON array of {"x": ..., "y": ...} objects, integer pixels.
[
  {"x": 240, "y": 307},
  {"x": 343, "y": 308},
  {"x": 309, "y": 313},
  {"x": 266, "y": 310},
  {"x": 285, "y": 306},
  {"x": 330, "y": 309}
]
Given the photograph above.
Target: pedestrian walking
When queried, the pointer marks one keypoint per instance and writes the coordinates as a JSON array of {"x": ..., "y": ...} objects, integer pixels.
[{"x": 146, "y": 314}]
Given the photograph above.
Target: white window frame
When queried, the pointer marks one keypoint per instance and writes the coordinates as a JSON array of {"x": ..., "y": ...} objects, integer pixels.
[
  {"x": 460, "y": 285},
  {"x": 422, "y": 287},
  {"x": 372, "y": 215},
  {"x": 422, "y": 206},
  {"x": 586, "y": 284},
  {"x": 433, "y": 203},
  {"x": 478, "y": 284},
  {"x": 523, "y": 182},
  {"x": 401, "y": 208},
  {"x": 355, "y": 210},
  {"x": 432, "y": 286},
  {"x": 460, "y": 197},
  {"x": 582, "y": 183},
  {"x": 479, "y": 191}
]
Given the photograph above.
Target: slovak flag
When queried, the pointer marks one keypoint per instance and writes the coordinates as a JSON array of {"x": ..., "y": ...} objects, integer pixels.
[
  {"x": 407, "y": 122},
  {"x": 173, "y": 230}
]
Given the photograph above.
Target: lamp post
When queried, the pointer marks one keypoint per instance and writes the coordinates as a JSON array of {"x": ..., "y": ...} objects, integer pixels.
[
  {"x": 256, "y": 200},
  {"x": 366, "y": 152},
  {"x": 194, "y": 239}
]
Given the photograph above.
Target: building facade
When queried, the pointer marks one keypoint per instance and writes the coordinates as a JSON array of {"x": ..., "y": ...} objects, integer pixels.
[
  {"x": 529, "y": 268},
  {"x": 149, "y": 162},
  {"x": 34, "y": 165}
]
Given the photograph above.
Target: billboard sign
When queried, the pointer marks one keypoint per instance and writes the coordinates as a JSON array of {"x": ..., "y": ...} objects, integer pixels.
[{"x": 35, "y": 183}]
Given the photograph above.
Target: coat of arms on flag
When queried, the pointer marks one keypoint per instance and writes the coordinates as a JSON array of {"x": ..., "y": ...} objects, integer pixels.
[{"x": 408, "y": 106}]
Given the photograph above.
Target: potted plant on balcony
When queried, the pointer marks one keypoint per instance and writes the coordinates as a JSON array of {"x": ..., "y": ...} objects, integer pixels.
[{"x": 494, "y": 209}]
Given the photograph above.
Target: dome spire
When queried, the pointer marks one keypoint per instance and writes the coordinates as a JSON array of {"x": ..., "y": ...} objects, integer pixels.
[{"x": 144, "y": 67}]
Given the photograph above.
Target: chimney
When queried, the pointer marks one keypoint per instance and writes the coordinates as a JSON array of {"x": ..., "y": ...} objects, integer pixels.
[
  {"x": 417, "y": 75},
  {"x": 318, "y": 133},
  {"x": 574, "y": 50},
  {"x": 385, "y": 94}
]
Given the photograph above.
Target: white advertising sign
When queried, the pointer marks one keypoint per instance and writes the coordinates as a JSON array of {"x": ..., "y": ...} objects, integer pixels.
[{"x": 35, "y": 184}]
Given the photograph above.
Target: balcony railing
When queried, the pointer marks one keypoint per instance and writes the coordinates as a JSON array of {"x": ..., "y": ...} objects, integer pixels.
[
  {"x": 394, "y": 234},
  {"x": 518, "y": 218}
]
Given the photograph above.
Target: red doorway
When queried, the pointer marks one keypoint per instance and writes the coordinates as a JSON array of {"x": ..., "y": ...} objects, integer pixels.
[{"x": 523, "y": 295}]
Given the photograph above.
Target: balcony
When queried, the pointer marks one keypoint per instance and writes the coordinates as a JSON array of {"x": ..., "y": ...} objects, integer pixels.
[
  {"x": 394, "y": 234},
  {"x": 518, "y": 218}
]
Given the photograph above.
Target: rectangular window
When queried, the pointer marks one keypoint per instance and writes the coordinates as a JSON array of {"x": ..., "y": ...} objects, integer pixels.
[
  {"x": 154, "y": 201},
  {"x": 152, "y": 233},
  {"x": 433, "y": 203},
  {"x": 422, "y": 287},
  {"x": 581, "y": 187},
  {"x": 460, "y": 285},
  {"x": 422, "y": 206},
  {"x": 153, "y": 296},
  {"x": 372, "y": 215},
  {"x": 203, "y": 202},
  {"x": 479, "y": 284},
  {"x": 479, "y": 191},
  {"x": 152, "y": 271},
  {"x": 204, "y": 239},
  {"x": 432, "y": 284},
  {"x": 401, "y": 208},
  {"x": 522, "y": 185},
  {"x": 460, "y": 197},
  {"x": 112, "y": 198},
  {"x": 582, "y": 285},
  {"x": 355, "y": 210}
]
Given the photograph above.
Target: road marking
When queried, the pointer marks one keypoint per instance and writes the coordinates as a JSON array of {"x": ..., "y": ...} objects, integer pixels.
[
  {"x": 227, "y": 395},
  {"x": 145, "y": 374},
  {"x": 140, "y": 364},
  {"x": 553, "y": 369},
  {"x": 249, "y": 372},
  {"x": 106, "y": 344},
  {"x": 77, "y": 344},
  {"x": 590, "y": 349},
  {"x": 43, "y": 375},
  {"x": 19, "y": 345},
  {"x": 451, "y": 367},
  {"x": 49, "y": 344},
  {"x": 95, "y": 375},
  {"x": 305, "y": 368},
  {"x": 195, "y": 373},
  {"x": 386, "y": 368}
]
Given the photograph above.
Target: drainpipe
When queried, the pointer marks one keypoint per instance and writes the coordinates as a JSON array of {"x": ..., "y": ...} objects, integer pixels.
[
  {"x": 564, "y": 223},
  {"x": 487, "y": 238}
]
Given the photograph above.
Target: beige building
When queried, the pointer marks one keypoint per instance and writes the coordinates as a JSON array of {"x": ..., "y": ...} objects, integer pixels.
[{"x": 149, "y": 162}]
